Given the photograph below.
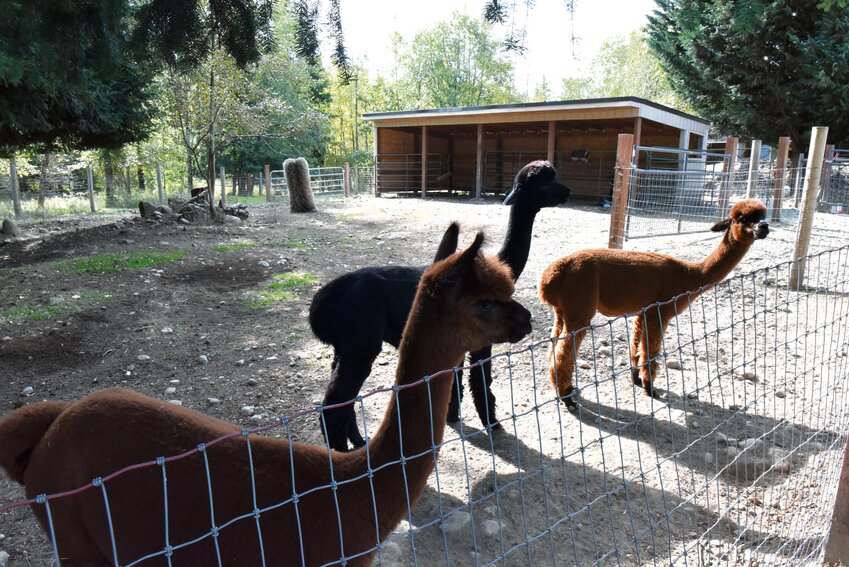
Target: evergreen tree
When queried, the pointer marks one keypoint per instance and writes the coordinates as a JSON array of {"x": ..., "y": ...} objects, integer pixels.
[{"x": 757, "y": 68}]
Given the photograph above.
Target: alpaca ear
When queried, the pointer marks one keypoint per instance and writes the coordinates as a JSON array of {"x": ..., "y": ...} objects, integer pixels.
[
  {"x": 722, "y": 225},
  {"x": 448, "y": 244},
  {"x": 512, "y": 196}
]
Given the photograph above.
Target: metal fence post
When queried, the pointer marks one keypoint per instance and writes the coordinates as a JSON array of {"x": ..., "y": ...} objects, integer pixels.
[
  {"x": 16, "y": 191},
  {"x": 754, "y": 161},
  {"x": 825, "y": 178},
  {"x": 90, "y": 182},
  {"x": 780, "y": 172},
  {"x": 159, "y": 183},
  {"x": 621, "y": 188},
  {"x": 809, "y": 205},
  {"x": 223, "y": 196},
  {"x": 267, "y": 176}
]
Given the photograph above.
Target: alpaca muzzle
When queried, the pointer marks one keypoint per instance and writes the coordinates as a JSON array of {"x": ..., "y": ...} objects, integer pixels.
[{"x": 761, "y": 230}]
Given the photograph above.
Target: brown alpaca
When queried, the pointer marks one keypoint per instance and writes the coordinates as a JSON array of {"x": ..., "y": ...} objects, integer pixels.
[
  {"x": 462, "y": 303},
  {"x": 619, "y": 282},
  {"x": 297, "y": 172}
]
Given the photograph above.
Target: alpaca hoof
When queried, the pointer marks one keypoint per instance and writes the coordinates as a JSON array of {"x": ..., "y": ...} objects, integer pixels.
[
  {"x": 653, "y": 392},
  {"x": 453, "y": 417},
  {"x": 568, "y": 398},
  {"x": 358, "y": 443},
  {"x": 495, "y": 426},
  {"x": 635, "y": 377}
]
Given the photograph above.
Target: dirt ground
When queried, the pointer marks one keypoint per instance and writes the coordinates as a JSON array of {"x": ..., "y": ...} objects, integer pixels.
[{"x": 628, "y": 480}]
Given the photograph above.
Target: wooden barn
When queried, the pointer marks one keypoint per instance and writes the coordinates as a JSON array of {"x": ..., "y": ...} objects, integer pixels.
[{"x": 479, "y": 149}]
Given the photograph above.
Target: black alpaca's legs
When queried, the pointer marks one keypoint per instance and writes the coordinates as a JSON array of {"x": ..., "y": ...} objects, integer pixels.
[
  {"x": 480, "y": 381},
  {"x": 456, "y": 398},
  {"x": 349, "y": 371}
]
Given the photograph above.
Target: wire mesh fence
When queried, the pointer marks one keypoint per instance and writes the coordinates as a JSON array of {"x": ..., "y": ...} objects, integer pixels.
[
  {"x": 737, "y": 463},
  {"x": 674, "y": 191}
]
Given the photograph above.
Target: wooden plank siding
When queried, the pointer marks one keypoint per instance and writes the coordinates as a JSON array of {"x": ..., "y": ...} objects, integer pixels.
[{"x": 480, "y": 149}]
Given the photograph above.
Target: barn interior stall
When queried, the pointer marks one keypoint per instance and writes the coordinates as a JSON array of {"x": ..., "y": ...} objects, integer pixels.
[{"x": 479, "y": 149}]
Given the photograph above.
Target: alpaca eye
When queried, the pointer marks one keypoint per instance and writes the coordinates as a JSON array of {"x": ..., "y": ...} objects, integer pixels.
[{"x": 486, "y": 306}]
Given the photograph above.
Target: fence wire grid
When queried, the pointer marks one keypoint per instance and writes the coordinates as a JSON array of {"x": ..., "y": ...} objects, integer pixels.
[
  {"x": 689, "y": 191},
  {"x": 737, "y": 463}
]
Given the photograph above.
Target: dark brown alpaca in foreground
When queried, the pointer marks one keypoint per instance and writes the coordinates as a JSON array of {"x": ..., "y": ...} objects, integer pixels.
[
  {"x": 619, "y": 282},
  {"x": 462, "y": 303}
]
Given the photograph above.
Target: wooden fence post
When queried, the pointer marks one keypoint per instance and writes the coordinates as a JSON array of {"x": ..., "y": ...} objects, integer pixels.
[
  {"x": 728, "y": 166},
  {"x": 159, "y": 187},
  {"x": 621, "y": 188},
  {"x": 16, "y": 190},
  {"x": 754, "y": 160},
  {"x": 89, "y": 177},
  {"x": 837, "y": 545},
  {"x": 479, "y": 163},
  {"x": 780, "y": 173},
  {"x": 346, "y": 179},
  {"x": 809, "y": 205},
  {"x": 267, "y": 176},
  {"x": 223, "y": 187}
]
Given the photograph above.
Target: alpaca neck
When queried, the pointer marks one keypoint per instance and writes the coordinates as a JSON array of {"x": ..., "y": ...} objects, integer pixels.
[
  {"x": 723, "y": 259},
  {"x": 517, "y": 242},
  {"x": 423, "y": 410}
]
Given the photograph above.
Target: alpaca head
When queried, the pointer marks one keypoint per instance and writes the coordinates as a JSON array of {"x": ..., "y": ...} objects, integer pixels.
[
  {"x": 472, "y": 294},
  {"x": 536, "y": 186},
  {"x": 746, "y": 221}
]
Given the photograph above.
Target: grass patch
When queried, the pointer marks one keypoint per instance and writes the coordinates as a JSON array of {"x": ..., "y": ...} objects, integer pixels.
[
  {"x": 297, "y": 245},
  {"x": 282, "y": 287},
  {"x": 79, "y": 301},
  {"x": 106, "y": 263},
  {"x": 349, "y": 216},
  {"x": 233, "y": 247}
]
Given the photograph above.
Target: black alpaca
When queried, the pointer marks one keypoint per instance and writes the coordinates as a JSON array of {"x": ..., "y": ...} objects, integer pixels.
[{"x": 358, "y": 311}]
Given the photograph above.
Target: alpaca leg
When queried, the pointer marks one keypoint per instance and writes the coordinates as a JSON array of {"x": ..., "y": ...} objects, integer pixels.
[
  {"x": 654, "y": 327},
  {"x": 564, "y": 364},
  {"x": 480, "y": 381},
  {"x": 456, "y": 398},
  {"x": 350, "y": 370},
  {"x": 636, "y": 347}
]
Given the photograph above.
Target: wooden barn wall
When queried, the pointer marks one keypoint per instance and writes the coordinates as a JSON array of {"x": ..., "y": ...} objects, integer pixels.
[{"x": 392, "y": 141}]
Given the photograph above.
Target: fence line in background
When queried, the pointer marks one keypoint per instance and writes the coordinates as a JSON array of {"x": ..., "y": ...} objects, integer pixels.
[{"x": 737, "y": 464}]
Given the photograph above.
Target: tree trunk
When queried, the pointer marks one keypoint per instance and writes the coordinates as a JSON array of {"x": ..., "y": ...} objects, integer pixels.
[
  {"x": 190, "y": 180},
  {"x": 140, "y": 174},
  {"x": 109, "y": 177},
  {"x": 128, "y": 186}
]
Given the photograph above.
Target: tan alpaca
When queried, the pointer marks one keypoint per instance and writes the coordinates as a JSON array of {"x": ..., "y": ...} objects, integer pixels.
[
  {"x": 462, "y": 303},
  {"x": 619, "y": 282}
]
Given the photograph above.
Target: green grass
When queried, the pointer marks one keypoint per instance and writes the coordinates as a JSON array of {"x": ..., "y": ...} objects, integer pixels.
[
  {"x": 283, "y": 287},
  {"x": 233, "y": 247},
  {"x": 78, "y": 301},
  {"x": 297, "y": 244},
  {"x": 106, "y": 263}
]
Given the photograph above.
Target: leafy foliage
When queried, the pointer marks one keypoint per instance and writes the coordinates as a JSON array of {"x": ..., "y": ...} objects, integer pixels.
[
  {"x": 624, "y": 66},
  {"x": 761, "y": 69},
  {"x": 65, "y": 80}
]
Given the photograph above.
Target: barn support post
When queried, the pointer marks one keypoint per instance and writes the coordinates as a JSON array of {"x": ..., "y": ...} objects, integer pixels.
[
  {"x": 754, "y": 158},
  {"x": 223, "y": 196},
  {"x": 638, "y": 126},
  {"x": 376, "y": 160},
  {"x": 16, "y": 190},
  {"x": 267, "y": 179},
  {"x": 729, "y": 164},
  {"x": 89, "y": 178},
  {"x": 683, "y": 143},
  {"x": 780, "y": 174},
  {"x": 552, "y": 141},
  {"x": 621, "y": 188},
  {"x": 424, "y": 161},
  {"x": 816, "y": 151},
  {"x": 479, "y": 164}
]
